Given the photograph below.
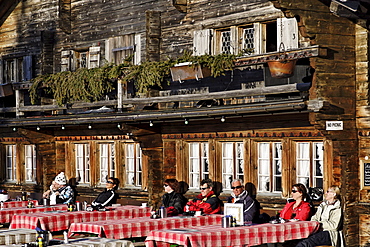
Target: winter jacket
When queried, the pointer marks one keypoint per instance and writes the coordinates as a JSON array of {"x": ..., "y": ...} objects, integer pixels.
[
  {"x": 251, "y": 207},
  {"x": 174, "y": 202},
  {"x": 210, "y": 204},
  {"x": 66, "y": 195},
  {"x": 302, "y": 212},
  {"x": 105, "y": 198},
  {"x": 330, "y": 217}
]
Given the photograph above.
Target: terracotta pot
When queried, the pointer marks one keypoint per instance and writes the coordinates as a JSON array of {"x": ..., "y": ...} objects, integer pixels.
[{"x": 282, "y": 68}]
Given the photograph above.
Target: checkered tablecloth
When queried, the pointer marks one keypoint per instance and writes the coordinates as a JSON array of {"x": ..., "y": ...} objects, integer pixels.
[
  {"x": 61, "y": 220},
  {"x": 210, "y": 236},
  {"x": 140, "y": 227},
  {"x": 6, "y": 214},
  {"x": 18, "y": 204}
]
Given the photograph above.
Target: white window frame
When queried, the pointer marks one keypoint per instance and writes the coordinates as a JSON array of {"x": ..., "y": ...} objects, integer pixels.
[
  {"x": 269, "y": 161},
  {"x": 308, "y": 157},
  {"x": 30, "y": 163},
  {"x": 10, "y": 163},
  {"x": 82, "y": 157},
  {"x": 232, "y": 163},
  {"x": 198, "y": 163},
  {"x": 134, "y": 164},
  {"x": 107, "y": 161}
]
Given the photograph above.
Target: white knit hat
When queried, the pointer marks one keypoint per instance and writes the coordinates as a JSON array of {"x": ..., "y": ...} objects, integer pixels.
[{"x": 61, "y": 179}]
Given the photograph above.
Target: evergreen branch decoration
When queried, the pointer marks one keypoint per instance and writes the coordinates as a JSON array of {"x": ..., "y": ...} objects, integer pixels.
[{"x": 92, "y": 84}]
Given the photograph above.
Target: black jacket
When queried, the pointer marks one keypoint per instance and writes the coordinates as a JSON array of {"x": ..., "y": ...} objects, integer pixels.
[
  {"x": 106, "y": 198},
  {"x": 174, "y": 202}
]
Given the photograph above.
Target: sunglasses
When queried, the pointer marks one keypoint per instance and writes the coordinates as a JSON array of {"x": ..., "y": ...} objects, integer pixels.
[
  {"x": 236, "y": 187},
  {"x": 204, "y": 188},
  {"x": 294, "y": 191},
  {"x": 165, "y": 185},
  {"x": 110, "y": 182}
]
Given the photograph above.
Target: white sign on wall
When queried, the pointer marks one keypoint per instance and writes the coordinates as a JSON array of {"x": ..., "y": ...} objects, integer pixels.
[{"x": 334, "y": 125}]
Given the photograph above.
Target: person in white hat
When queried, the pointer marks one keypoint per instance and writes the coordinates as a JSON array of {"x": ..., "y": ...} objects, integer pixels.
[{"x": 59, "y": 191}]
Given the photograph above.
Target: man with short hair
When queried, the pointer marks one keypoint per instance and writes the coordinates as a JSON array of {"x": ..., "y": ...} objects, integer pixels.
[
  {"x": 250, "y": 206},
  {"x": 206, "y": 201}
]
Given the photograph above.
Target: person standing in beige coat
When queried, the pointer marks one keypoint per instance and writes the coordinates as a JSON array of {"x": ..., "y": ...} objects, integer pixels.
[{"x": 330, "y": 215}]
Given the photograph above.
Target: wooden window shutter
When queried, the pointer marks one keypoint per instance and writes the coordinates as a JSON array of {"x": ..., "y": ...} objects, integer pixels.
[
  {"x": 94, "y": 57},
  {"x": 202, "y": 42},
  {"x": 109, "y": 45},
  {"x": 287, "y": 32},
  {"x": 2, "y": 71},
  {"x": 27, "y": 68},
  {"x": 65, "y": 62},
  {"x": 258, "y": 38},
  {"x": 137, "y": 49}
]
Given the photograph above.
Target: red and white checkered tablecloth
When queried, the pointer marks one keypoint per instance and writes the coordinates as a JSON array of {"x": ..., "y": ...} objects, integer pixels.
[
  {"x": 61, "y": 220},
  {"x": 6, "y": 214},
  {"x": 140, "y": 227},
  {"x": 18, "y": 204},
  {"x": 210, "y": 236}
]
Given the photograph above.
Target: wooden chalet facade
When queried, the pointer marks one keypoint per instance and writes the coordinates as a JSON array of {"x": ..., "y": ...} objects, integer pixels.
[{"x": 312, "y": 127}]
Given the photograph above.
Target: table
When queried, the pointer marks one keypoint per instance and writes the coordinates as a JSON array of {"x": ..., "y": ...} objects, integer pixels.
[
  {"x": 91, "y": 242},
  {"x": 140, "y": 227},
  {"x": 234, "y": 236},
  {"x": 61, "y": 220},
  {"x": 17, "y": 236},
  {"x": 18, "y": 204},
  {"x": 6, "y": 214}
]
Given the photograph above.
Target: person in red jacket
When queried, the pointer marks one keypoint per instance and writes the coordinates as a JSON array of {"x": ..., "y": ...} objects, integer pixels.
[
  {"x": 298, "y": 209},
  {"x": 206, "y": 201}
]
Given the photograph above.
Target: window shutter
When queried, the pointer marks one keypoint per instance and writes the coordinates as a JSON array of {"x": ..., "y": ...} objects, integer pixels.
[
  {"x": 94, "y": 57},
  {"x": 287, "y": 32},
  {"x": 137, "y": 49},
  {"x": 1, "y": 71},
  {"x": 257, "y": 38},
  {"x": 109, "y": 45},
  {"x": 65, "y": 62},
  {"x": 27, "y": 68},
  {"x": 202, "y": 42}
]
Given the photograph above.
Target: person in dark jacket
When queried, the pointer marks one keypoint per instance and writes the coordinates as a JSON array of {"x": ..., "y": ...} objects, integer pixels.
[
  {"x": 173, "y": 201},
  {"x": 251, "y": 207},
  {"x": 206, "y": 201},
  {"x": 109, "y": 195}
]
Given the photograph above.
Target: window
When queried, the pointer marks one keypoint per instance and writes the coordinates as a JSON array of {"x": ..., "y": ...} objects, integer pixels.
[
  {"x": 82, "y": 163},
  {"x": 232, "y": 163},
  {"x": 198, "y": 163},
  {"x": 10, "y": 162},
  {"x": 16, "y": 69},
  {"x": 120, "y": 48},
  {"x": 310, "y": 163},
  {"x": 260, "y": 37},
  {"x": 269, "y": 167},
  {"x": 107, "y": 162},
  {"x": 134, "y": 168},
  {"x": 30, "y": 162},
  {"x": 72, "y": 60}
]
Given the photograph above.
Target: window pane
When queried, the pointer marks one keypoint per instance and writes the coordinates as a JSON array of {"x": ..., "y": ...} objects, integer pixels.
[
  {"x": 10, "y": 162},
  {"x": 30, "y": 163},
  {"x": 277, "y": 167},
  {"x": 83, "y": 163},
  {"x": 198, "y": 163},
  {"x": 226, "y": 42},
  {"x": 264, "y": 167}
]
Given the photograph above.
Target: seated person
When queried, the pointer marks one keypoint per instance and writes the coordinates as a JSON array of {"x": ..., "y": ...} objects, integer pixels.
[
  {"x": 298, "y": 209},
  {"x": 251, "y": 207},
  {"x": 109, "y": 195},
  {"x": 329, "y": 214},
  {"x": 206, "y": 201},
  {"x": 59, "y": 191},
  {"x": 173, "y": 201}
]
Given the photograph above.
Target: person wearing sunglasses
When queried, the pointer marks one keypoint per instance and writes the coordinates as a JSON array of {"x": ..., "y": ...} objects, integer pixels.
[
  {"x": 109, "y": 195},
  {"x": 330, "y": 216},
  {"x": 299, "y": 208},
  {"x": 251, "y": 207},
  {"x": 172, "y": 200},
  {"x": 207, "y": 201}
]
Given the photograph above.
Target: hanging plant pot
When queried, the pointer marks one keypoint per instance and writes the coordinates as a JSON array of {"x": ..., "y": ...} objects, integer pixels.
[
  {"x": 187, "y": 71},
  {"x": 282, "y": 68}
]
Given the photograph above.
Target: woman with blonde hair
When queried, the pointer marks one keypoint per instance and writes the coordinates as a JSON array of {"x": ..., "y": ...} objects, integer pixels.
[{"x": 329, "y": 214}]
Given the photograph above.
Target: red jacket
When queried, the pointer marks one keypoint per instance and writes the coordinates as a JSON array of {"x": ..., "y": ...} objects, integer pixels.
[
  {"x": 302, "y": 212},
  {"x": 210, "y": 204}
]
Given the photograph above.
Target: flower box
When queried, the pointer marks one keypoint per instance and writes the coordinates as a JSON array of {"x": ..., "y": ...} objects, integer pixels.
[{"x": 187, "y": 71}]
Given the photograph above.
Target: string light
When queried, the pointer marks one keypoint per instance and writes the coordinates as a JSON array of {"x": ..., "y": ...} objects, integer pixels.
[
  {"x": 223, "y": 119},
  {"x": 151, "y": 123},
  {"x": 118, "y": 125},
  {"x": 63, "y": 127},
  {"x": 38, "y": 128},
  {"x": 89, "y": 127},
  {"x": 186, "y": 121}
]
